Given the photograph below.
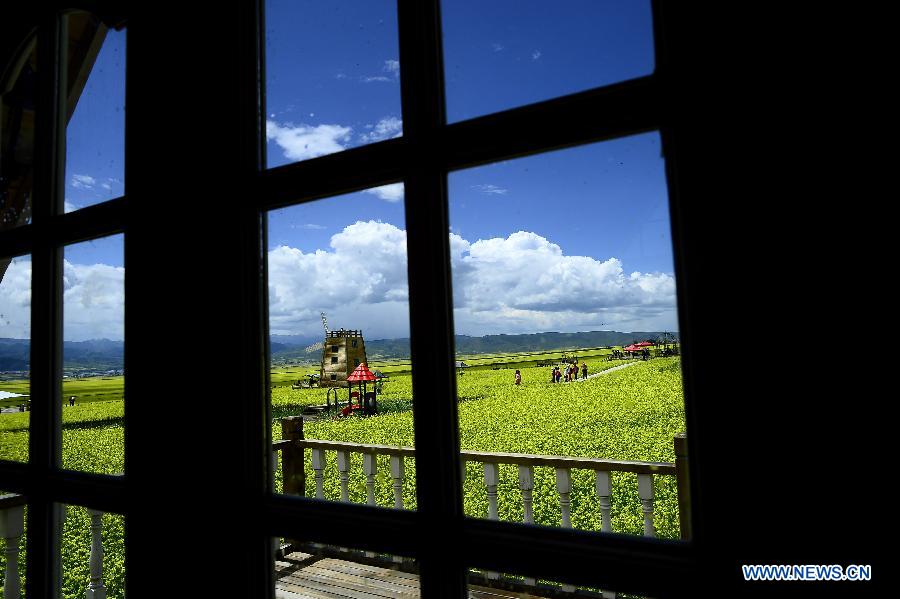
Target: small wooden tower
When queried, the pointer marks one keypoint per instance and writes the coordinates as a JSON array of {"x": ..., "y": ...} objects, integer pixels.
[{"x": 342, "y": 353}]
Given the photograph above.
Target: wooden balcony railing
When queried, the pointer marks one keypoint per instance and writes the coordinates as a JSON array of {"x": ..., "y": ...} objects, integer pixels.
[
  {"x": 12, "y": 527},
  {"x": 294, "y": 445}
]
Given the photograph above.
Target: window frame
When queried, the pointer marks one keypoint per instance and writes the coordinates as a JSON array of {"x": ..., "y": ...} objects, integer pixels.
[{"x": 421, "y": 159}]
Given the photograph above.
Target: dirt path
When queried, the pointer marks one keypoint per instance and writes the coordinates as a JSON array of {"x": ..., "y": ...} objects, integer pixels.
[{"x": 602, "y": 372}]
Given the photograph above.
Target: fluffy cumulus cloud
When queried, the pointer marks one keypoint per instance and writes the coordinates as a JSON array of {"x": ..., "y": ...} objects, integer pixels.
[
  {"x": 93, "y": 296},
  {"x": 525, "y": 282},
  {"x": 93, "y": 301},
  {"x": 15, "y": 298},
  {"x": 299, "y": 142},
  {"x": 361, "y": 275},
  {"x": 520, "y": 283},
  {"x": 392, "y": 192}
]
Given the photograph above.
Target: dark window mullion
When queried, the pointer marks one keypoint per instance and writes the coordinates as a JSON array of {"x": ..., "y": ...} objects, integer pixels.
[
  {"x": 46, "y": 314},
  {"x": 438, "y": 484}
]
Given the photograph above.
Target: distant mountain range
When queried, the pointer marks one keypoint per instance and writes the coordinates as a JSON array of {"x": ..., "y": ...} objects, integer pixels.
[
  {"x": 99, "y": 354},
  {"x": 103, "y": 354},
  {"x": 289, "y": 347}
]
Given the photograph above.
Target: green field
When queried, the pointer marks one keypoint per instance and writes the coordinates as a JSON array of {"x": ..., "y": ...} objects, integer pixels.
[{"x": 631, "y": 414}]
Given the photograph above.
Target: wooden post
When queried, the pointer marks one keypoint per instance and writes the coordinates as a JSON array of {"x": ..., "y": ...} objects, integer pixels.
[
  {"x": 292, "y": 471},
  {"x": 684, "y": 490},
  {"x": 12, "y": 527}
]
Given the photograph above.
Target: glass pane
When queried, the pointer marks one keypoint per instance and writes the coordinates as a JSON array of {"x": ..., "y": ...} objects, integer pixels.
[
  {"x": 332, "y": 77},
  {"x": 93, "y": 356},
  {"x": 95, "y": 135},
  {"x": 13, "y": 515},
  {"x": 306, "y": 569},
  {"x": 87, "y": 532},
  {"x": 18, "y": 95},
  {"x": 341, "y": 370},
  {"x": 15, "y": 357},
  {"x": 507, "y": 53},
  {"x": 567, "y": 334}
]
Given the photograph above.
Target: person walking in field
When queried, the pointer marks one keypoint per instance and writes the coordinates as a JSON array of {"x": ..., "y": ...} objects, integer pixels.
[
  {"x": 518, "y": 378},
  {"x": 584, "y": 370},
  {"x": 558, "y": 374}
]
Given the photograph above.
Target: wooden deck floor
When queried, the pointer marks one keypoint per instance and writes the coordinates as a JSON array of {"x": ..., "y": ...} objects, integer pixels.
[{"x": 302, "y": 576}]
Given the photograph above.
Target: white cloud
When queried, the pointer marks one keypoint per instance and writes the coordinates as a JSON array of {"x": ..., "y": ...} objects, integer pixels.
[
  {"x": 94, "y": 301},
  {"x": 379, "y": 78},
  {"x": 306, "y": 141},
  {"x": 535, "y": 55},
  {"x": 363, "y": 274},
  {"x": 392, "y": 192},
  {"x": 517, "y": 284},
  {"x": 308, "y": 226},
  {"x": 15, "y": 299},
  {"x": 82, "y": 182},
  {"x": 388, "y": 127},
  {"x": 392, "y": 66},
  {"x": 498, "y": 47},
  {"x": 93, "y": 295},
  {"x": 488, "y": 188},
  {"x": 70, "y": 207},
  {"x": 106, "y": 186}
]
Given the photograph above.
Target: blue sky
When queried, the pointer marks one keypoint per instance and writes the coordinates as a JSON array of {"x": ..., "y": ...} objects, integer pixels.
[
  {"x": 571, "y": 240},
  {"x": 576, "y": 239}
]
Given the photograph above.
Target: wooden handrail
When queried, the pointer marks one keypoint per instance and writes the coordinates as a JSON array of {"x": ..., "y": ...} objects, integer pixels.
[
  {"x": 12, "y": 500},
  {"x": 490, "y": 457}
]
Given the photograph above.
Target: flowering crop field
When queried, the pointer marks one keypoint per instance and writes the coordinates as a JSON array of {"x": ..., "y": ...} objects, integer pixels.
[{"x": 630, "y": 414}]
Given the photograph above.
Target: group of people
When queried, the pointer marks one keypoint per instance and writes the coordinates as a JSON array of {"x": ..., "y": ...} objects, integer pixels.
[{"x": 569, "y": 373}]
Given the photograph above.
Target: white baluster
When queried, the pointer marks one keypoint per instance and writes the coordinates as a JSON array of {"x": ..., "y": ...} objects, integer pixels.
[
  {"x": 645, "y": 490},
  {"x": 370, "y": 467},
  {"x": 318, "y": 464},
  {"x": 397, "y": 477},
  {"x": 96, "y": 589},
  {"x": 12, "y": 527},
  {"x": 343, "y": 463},
  {"x": 490, "y": 480},
  {"x": 526, "y": 485},
  {"x": 276, "y": 542},
  {"x": 564, "y": 487},
  {"x": 491, "y": 472},
  {"x": 343, "y": 460},
  {"x": 603, "y": 492}
]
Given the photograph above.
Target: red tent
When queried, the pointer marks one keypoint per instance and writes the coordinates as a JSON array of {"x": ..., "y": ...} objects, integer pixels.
[
  {"x": 644, "y": 344},
  {"x": 361, "y": 374},
  {"x": 632, "y": 347}
]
